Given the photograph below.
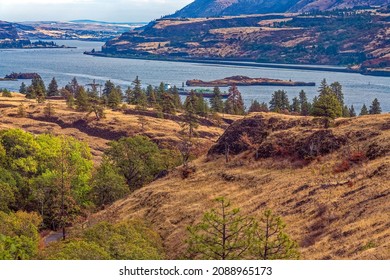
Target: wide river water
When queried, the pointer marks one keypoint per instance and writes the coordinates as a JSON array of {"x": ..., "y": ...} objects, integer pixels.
[{"x": 64, "y": 64}]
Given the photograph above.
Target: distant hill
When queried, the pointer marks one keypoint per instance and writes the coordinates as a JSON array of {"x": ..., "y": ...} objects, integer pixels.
[
  {"x": 212, "y": 8},
  {"x": 10, "y": 36},
  {"x": 355, "y": 39}
]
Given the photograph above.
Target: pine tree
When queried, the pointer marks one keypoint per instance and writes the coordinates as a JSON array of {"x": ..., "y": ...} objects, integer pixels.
[
  {"x": 223, "y": 234},
  {"x": 167, "y": 103},
  {"x": 296, "y": 106},
  {"x": 23, "y": 88},
  {"x": 216, "y": 102},
  {"x": 108, "y": 87},
  {"x": 201, "y": 106},
  {"x": 258, "y": 107},
  {"x": 279, "y": 101},
  {"x": 352, "y": 112},
  {"x": 323, "y": 88},
  {"x": 129, "y": 96},
  {"x": 73, "y": 86},
  {"x": 190, "y": 122},
  {"x": 346, "y": 113},
  {"x": 52, "y": 89},
  {"x": 151, "y": 95},
  {"x": 82, "y": 100},
  {"x": 138, "y": 94},
  {"x": 270, "y": 241},
  {"x": 160, "y": 91},
  {"x": 375, "y": 107},
  {"x": 327, "y": 105},
  {"x": 114, "y": 98},
  {"x": 30, "y": 92},
  {"x": 305, "y": 105},
  {"x": 176, "y": 98},
  {"x": 39, "y": 89},
  {"x": 337, "y": 89},
  {"x": 364, "y": 110},
  {"x": 49, "y": 110},
  {"x": 234, "y": 103}
]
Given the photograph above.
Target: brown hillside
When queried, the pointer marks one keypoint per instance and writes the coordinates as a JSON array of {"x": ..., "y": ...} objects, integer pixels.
[
  {"x": 97, "y": 134},
  {"x": 330, "y": 185}
]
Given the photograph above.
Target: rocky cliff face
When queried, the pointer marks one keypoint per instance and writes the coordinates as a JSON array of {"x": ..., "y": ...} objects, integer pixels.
[{"x": 210, "y": 8}]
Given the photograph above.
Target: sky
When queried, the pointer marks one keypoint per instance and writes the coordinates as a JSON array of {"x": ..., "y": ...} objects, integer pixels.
[{"x": 103, "y": 10}]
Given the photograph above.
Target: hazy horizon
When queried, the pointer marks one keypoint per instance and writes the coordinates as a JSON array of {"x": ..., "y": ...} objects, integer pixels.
[{"x": 100, "y": 10}]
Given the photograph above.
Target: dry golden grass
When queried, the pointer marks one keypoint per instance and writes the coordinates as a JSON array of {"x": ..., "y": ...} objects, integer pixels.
[
  {"x": 332, "y": 215},
  {"x": 96, "y": 133}
]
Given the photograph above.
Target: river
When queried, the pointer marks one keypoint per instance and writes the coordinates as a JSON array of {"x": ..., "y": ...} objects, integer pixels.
[{"x": 64, "y": 64}]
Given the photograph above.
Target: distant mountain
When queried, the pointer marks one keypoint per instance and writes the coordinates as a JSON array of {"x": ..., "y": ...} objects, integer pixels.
[{"x": 212, "y": 8}]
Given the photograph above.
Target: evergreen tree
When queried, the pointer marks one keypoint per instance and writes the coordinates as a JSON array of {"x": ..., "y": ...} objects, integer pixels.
[
  {"x": 82, "y": 100},
  {"x": 375, "y": 107},
  {"x": 258, "y": 107},
  {"x": 39, "y": 89},
  {"x": 167, "y": 103},
  {"x": 270, "y": 241},
  {"x": 346, "y": 112},
  {"x": 327, "y": 105},
  {"x": 323, "y": 88},
  {"x": 23, "y": 88},
  {"x": 129, "y": 96},
  {"x": 190, "y": 121},
  {"x": 337, "y": 89},
  {"x": 160, "y": 91},
  {"x": 279, "y": 101},
  {"x": 234, "y": 103},
  {"x": 304, "y": 104},
  {"x": 176, "y": 98},
  {"x": 108, "y": 88},
  {"x": 138, "y": 94},
  {"x": 296, "y": 106},
  {"x": 216, "y": 102},
  {"x": 151, "y": 96},
  {"x": 73, "y": 86},
  {"x": 352, "y": 112},
  {"x": 70, "y": 101},
  {"x": 223, "y": 234},
  {"x": 201, "y": 106},
  {"x": 364, "y": 110},
  {"x": 52, "y": 89},
  {"x": 114, "y": 98}
]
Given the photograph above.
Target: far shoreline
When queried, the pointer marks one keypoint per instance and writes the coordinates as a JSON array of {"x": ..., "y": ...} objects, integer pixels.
[{"x": 243, "y": 63}]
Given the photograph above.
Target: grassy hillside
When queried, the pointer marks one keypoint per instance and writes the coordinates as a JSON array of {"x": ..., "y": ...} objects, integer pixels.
[
  {"x": 97, "y": 134},
  {"x": 334, "y": 195},
  {"x": 329, "y": 182},
  {"x": 356, "y": 39}
]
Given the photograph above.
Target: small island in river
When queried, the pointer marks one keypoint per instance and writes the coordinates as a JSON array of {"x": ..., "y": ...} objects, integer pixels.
[{"x": 246, "y": 81}]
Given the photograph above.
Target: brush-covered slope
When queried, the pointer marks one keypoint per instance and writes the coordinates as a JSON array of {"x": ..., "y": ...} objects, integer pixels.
[
  {"x": 330, "y": 185},
  {"x": 213, "y": 8}
]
